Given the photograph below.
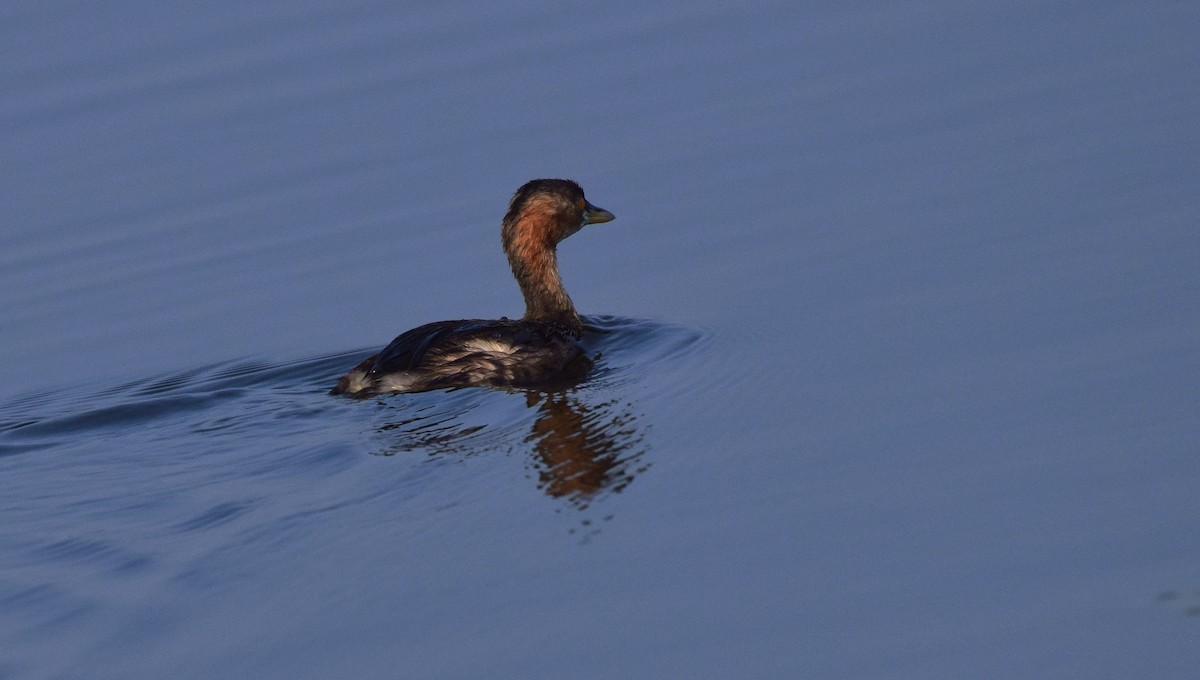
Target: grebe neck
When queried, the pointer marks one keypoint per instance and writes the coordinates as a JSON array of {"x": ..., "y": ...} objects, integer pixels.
[
  {"x": 530, "y": 245},
  {"x": 546, "y": 298}
]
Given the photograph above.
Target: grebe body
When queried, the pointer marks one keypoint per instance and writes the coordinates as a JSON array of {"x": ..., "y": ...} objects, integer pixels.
[{"x": 540, "y": 348}]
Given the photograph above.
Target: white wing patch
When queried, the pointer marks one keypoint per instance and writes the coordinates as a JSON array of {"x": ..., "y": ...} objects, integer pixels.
[{"x": 490, "y": 346}]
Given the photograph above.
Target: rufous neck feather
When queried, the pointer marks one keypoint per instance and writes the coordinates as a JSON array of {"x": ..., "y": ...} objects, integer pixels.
[{"x": 529, "y": 241}]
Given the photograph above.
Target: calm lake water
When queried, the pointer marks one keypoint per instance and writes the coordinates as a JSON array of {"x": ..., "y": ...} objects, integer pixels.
[{"x": 899, "y": 325}]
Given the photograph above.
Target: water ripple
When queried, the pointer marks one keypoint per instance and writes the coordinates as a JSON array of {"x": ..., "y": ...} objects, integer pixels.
[{"x": 580, "y": 443}]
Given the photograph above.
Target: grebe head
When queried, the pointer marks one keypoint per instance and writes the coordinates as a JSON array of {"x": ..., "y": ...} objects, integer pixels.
[
  {"x": 542, "y": 213},
  {"x": 549, "y": 210}
]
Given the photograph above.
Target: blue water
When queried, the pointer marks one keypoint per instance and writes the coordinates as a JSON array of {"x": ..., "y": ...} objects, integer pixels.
[{"x": 900, "y": 351}]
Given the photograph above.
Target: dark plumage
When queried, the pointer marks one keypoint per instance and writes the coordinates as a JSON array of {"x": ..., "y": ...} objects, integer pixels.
[{"x": 538, "y": 349}]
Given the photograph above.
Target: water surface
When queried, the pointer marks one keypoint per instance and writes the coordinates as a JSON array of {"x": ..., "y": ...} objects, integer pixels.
[{"x": 897, "y": 322}]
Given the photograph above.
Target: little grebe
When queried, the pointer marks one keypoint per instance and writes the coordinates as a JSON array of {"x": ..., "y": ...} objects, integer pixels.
[{"x": 536, "y": 349}]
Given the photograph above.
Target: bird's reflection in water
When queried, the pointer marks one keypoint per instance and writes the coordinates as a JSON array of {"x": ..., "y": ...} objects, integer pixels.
[
  {"x": 583, "y": 450},
  {"x": 579, "y": 450}
]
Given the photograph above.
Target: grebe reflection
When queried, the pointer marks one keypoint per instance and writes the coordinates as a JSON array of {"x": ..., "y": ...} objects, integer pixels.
[{"x": 580, "y": 451}]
